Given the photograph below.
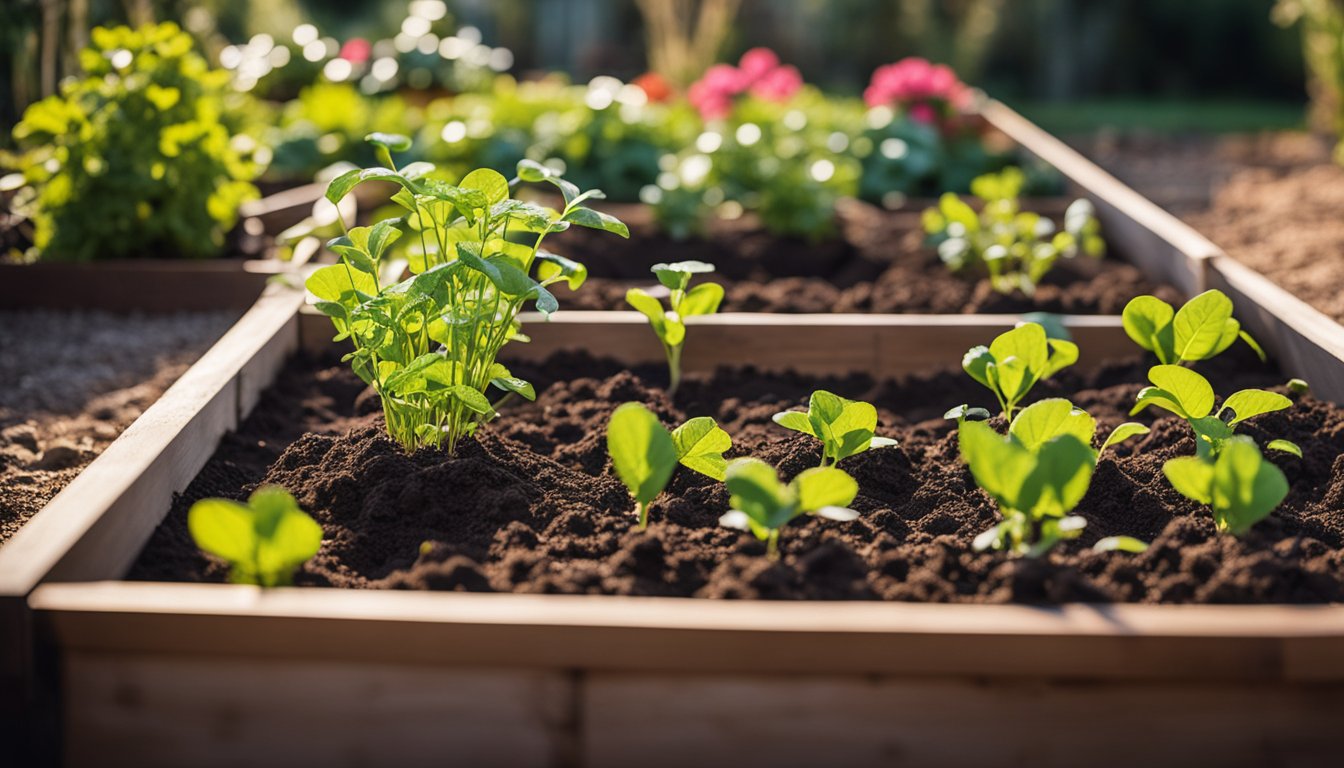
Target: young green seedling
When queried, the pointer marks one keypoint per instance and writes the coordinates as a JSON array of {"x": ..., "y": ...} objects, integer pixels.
[
  {"x": 1034, "y": 485},
  {"x": 1012, "y": 364},
  {"x": 763, "y": 505},
  {"x": 1190, "y": 396},
  {"x": 1045, "y": 420},
  {"x": 644, "y": 454},
  {"x": 263, "y": 540},
  {"x": 428, "y": 344},
  {"x": 1015, "y": 248},
  {"x": 1240, "y": 486},
  {"x": 844, "y": 427},
  {"x": 683, "y": 302},
  {"x": 1204, "y": 327}
]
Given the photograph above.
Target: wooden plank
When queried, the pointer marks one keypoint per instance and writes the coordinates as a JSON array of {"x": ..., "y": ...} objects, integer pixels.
[
  {"x": 677, "y": 720},
  {"x": 1163, "y": 246},
  {"x": 1120, "y": 642},
  {"x": 228, "y": 711},
  {"x": 882, "y": 345},
  {"x": 1305, "y": 342},
  {"x": 100, "y": 521}
]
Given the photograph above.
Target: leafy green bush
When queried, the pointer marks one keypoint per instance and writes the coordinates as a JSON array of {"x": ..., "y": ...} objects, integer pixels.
[
  {"x": 135, "y": 158},
  {"x": 1015, "y": 248},
  {"x": 428, "y": 343}
]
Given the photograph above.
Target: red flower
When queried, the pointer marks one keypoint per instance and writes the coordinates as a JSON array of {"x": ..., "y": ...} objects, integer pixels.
[
  {"x": 920, "y": 87},
  {"x": 655, "y": 86}
]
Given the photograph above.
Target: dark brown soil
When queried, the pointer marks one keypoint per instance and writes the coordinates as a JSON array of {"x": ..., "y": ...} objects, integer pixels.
[
  {"x": 878, "y": 263},
  {"x": 532, "y": 506},
  {"x": 72, "y": 382}
]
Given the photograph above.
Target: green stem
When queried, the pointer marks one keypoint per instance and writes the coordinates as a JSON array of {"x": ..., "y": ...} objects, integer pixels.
[
  {"x": 643, "y": 510},
  {"x": 673, "y": 369},
  {"x": 772, "y": 545}
]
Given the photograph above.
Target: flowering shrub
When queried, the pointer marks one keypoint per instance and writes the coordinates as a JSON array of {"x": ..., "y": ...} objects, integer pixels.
[
  {"x": 928, "y": 93},
  {"x": 759, "y": 73}
]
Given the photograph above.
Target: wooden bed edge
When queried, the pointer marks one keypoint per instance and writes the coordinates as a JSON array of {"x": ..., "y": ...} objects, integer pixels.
[{"x": 1298, "y": 643}]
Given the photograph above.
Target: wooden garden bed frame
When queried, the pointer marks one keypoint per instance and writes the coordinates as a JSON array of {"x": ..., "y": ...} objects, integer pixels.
[
  {"x": 172, "y": 674},
  {"x": 1305, "y": 341}
]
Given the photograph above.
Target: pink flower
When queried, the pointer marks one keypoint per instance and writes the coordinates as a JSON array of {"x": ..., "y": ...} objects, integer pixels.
[
  {"x": 913, "y": 80},
  {"x": 757, "y": 63},
  {"x": 356, "y": 50},
  {"x": 923, "y": 113},
  {"x": 780, "y": 84},
  {"x": 759, "y": 71}
]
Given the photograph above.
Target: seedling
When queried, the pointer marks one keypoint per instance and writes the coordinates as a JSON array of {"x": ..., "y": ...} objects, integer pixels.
[
  {"x": 644, "y": 454},
  {"x": 1015, "y": 247},
  {"x": 1190, "y": 396},
  {"x": 1045, "y": 420},
  {"x": 264, "y": 540},
  {"x": 1035, "y": 486},
  {"x": 428, "y": 343},
  {"x": 1239, "y": 485},
  {"x": 763, "y": 505},
  {"x": 1200, "y": 329},
  {"x": 684, "y": 302},
  {"x": 1012, "y": 364},
  {"x": 844, "y": 427}
]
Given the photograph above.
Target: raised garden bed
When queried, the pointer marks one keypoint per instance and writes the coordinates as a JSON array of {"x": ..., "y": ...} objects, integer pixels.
[
  {"x": 208, "y": 673},
  {"x": 538, "y": 680}
]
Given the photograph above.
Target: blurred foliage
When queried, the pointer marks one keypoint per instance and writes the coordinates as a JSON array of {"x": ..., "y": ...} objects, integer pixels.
[
  {"x": 138, "y": 157},
  {"x": 1323, "y": 49}
]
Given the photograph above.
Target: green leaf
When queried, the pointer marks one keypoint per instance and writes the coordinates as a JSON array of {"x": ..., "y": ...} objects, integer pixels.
[
  {"x": 703, "y": 299},
  {"x": 1027, "y": 343},
  {"x": 822, "y": 487},
  {"x": 504, "y": 379},
  {"x": 1120, "y": 544},
  {"x": 677, "y": 276},
  {"x": 1192, "y": 477},
  {"x": 755, "y": 491},
  {"x": 1147, "y": 321},
  {"x": 1060, "y": 478},
  {"x": 1201, "y": 324},
  {"x": 473, "y": 399},
  {"x": 341, "y": 185},
  {"x": 1043, "y": 421},
  {"x": 587, "y": 217},
  {"x": 341, "y": 284},
  {"x": 1062, "y": 355},
  {"x": 552, "y": 267},
  {"x": 509, "y": 279},
  {"x": 490, "y": 183},
  {"x": 532, "y": 171},
  {"x": 796, "y": 421},
  {"x": 700, "y": 446},
  {"x": 1191, "y": 392},
  {"x": 1285, "y": 446},
  {"x": 1246, "y": 488},
  {"x": 1298, "y": 386},
  {"x": 642, "y": 451},
  {"x": 976, "y": 362},
  {"x": 223, "y": 528},
  {"x": 1124, "y": 432},
  {"x": 999, "y": 466},
  {"x": 393, "y": 142},
  {"x": 1253, "y": 402},
  {"x": 264, "y": 540}
]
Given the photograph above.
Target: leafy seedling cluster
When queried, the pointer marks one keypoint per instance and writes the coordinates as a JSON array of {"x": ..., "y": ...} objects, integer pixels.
[
  {"x": 1015, "y": 361},
  {"x": 1015, "y": 248},
  {"x": 683, "y": 301},
  {"x": 428, "y": 344},
  {"x": 263, "y": 541},
  {"x": 1202, "y": 328},
  {"x": 644, "y": 455}
]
